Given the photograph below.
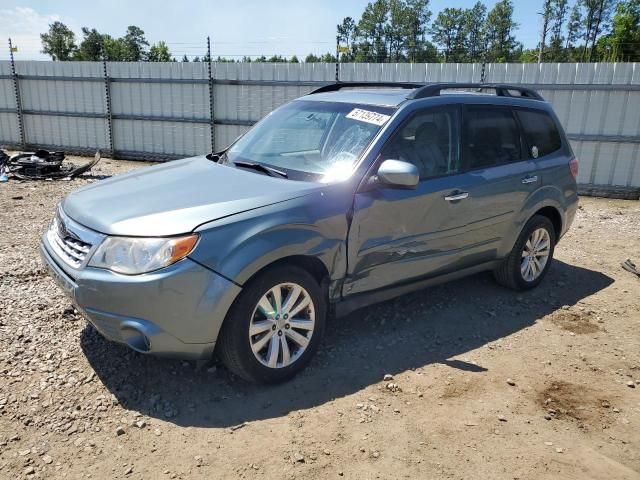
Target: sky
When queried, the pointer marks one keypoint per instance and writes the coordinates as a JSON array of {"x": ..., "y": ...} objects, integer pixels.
[{"x": 236, "y": 27}]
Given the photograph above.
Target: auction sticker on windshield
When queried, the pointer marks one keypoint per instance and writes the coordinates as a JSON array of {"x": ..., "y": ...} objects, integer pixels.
[{"x": 368, "y": 116}]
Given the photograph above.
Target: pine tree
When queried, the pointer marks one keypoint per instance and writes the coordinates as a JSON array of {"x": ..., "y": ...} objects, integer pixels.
[
  {"x": 546, "y": 18},
  {"x": 501, "y": 42},
  {"x": 448, "y": 32},
  {"x": 559, "y": 16},
  {"x": 474, "y": 31}
]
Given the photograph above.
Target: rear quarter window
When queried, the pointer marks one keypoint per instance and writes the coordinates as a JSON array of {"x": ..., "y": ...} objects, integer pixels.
[{"x": 540, "y": 132}]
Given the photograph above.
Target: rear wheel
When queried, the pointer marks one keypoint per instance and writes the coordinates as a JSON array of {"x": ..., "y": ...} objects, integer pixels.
[
  {"x": 274, "y": 327},
  {"x": 531, "y": 256}
]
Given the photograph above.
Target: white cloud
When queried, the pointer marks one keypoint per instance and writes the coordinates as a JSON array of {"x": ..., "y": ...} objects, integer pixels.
[{"x": 24, "y": 26}]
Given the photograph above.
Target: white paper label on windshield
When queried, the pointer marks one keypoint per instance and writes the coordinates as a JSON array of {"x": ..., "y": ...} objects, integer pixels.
[{"x": 367, "y": 116}]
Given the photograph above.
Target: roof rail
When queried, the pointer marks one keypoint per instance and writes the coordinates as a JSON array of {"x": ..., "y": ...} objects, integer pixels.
[
  {"x": 421, "y": 90},
  {"x": 334, "y": 87},
  {"x": 502, "y": 90}
]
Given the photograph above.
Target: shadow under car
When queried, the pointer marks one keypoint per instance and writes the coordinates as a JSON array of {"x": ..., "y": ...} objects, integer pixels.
[{"x": 412, "y": 331}]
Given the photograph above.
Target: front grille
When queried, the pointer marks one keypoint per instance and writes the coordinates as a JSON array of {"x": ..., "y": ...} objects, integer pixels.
[{"x": 68, "y": 247}]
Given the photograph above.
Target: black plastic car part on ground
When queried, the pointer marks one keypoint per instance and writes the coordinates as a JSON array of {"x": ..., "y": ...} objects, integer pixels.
[{"x": 41, "y": 165}]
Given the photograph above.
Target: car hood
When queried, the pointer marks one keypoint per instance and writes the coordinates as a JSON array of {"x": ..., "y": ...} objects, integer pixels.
[{"x": 176, "y": 197}]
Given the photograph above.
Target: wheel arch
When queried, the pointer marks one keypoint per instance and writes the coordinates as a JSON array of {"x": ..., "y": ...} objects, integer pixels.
[
  {"x": 544, "y": 202},
  {"x": 309, "y": 263},
  {"x": 553, "y": 214}
]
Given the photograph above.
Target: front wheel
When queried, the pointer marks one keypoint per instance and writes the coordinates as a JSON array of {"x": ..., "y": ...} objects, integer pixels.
[
  {"x": 531, "y": 256},
  {"x": 274, "y": 327}
]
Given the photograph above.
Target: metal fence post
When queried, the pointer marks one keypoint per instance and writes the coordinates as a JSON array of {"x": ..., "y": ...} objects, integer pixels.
[
  {"x": 107, "y": 92},
  {"x": 338, "y": 58},
  {"x": 212, "y": 121},
  {"x": 16, "y": 91}
]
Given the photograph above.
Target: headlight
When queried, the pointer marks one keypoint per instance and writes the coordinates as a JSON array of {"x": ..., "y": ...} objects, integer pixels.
[{"x": 140, "y": 255}]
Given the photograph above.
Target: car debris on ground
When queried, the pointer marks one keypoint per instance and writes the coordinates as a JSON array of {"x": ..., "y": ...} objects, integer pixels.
[
  {"x": 41, "y": 165},
  {"x": 629, "y": 266}
]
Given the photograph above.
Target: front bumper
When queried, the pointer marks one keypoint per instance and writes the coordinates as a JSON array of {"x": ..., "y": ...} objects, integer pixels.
[{"x": 176, "y": 311}]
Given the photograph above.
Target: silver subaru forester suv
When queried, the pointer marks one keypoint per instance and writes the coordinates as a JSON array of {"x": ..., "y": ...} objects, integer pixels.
[{"x": 351, "y": 195}]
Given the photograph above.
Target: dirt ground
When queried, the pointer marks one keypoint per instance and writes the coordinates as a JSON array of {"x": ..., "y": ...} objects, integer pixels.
[{"x": 487, "y": 383}]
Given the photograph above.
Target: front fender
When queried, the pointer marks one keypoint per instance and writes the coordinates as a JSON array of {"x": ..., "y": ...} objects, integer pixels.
[{"x": 239, "y": 246}]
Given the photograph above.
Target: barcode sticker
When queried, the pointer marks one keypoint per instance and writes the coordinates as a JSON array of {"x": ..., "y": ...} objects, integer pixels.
[{"x": 367, "y": 116}]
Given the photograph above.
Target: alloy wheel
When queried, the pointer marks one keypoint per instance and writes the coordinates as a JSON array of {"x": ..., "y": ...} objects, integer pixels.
[
  {"x": 535, "y": 254},
  {"x": 282, "y": 324}
]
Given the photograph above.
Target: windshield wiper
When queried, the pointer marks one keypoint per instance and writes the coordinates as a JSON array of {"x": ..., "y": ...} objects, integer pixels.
[{"x": 262, "y": 168}]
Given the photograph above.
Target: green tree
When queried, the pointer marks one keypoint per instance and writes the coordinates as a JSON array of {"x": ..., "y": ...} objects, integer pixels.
[
  {"x": 159, "y": 52},
  {"x": 294, "y": 59},
  {"x": 448, "y": 31},
  {"x": 388, "y": 30},
  {"x": 371, "y": 30},
  {"x": 311, "y": 58},
  {"x": 346, "y": 32},
  {"x": 134, "y": 44},
  {"x": 417, "y": 16},
  {"x": 59, "y": 42},
  {"x": 559, "y": 17},
  {"x": 92, "y": 46},
  {"x": 396, "y": 29},
  {"x": 185, "y": 58},
  {"x": 196, "y": 59},
  {"x": 623, "y": 42},
  {"x": 474, "y": 31},
  {"x": 501, "y": 42},
  {"x": 546, "y": 20},
  {"x": 574, "y": 27},
  {"x": 597, "y": 14},
  {"x": 574, "y": 34},
  {"x": 530, "y": 55},
  {"x": 114, "y": 49},
  {"x": 428, "y": 53},
  {"x": 327, "y": 58}
]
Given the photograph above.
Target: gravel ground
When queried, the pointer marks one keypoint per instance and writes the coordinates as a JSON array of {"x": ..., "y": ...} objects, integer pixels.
[{"x": 464, "y": 380}]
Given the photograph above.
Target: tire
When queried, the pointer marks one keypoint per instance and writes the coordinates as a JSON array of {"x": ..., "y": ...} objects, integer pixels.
[
  {"x": 510, "y": 273},
  {"x": 235, "y": 345}
]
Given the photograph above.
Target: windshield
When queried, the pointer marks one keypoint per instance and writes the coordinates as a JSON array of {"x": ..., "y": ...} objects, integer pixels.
[{"x": 310, "y": 139}]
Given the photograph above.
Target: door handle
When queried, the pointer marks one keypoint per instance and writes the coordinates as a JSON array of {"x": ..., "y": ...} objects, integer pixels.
[
  {"x": 456, "y": 196},
  {"x": 530, "y": 179}
]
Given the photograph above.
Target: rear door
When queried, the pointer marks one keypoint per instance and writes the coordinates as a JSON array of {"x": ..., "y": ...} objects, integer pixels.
[
  {"x": 544, "y": 144},
  {"x": 500, "y": 173}
]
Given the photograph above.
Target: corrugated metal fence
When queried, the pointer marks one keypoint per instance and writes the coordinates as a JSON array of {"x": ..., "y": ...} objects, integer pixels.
[{"x": 159, "y": 111}]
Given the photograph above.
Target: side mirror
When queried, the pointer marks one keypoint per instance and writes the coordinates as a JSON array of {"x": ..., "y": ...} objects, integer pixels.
[{"x": 398, "y": 174}]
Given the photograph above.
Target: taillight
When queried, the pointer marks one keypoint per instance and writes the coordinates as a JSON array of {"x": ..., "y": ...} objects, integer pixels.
[{"x": 573, "y": 166}]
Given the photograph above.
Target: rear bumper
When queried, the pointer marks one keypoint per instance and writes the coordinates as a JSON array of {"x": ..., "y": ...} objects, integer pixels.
[{"x": 175, "y": 312}]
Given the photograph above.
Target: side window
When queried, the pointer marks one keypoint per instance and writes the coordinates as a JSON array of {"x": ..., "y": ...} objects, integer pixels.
[
  {"x": 429, "y": 140},
  {"x": 491, "y": 137},
  {"x": 540, "y": 131}
]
